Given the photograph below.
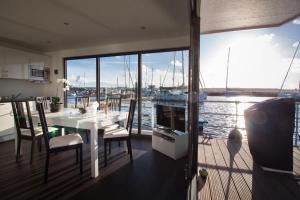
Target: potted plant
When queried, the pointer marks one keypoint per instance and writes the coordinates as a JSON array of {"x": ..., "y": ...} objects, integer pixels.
[
  {"x": 55, "y": 101},
  {"x": 55, "y": 104}
]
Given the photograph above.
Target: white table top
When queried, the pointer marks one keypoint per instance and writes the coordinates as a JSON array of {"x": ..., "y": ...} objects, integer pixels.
[{"x": 71, "y": 117}]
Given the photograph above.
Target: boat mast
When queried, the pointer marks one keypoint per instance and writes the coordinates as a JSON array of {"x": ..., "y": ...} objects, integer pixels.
[
  {"x": 295, "y": 53},
  {"x": 129, "y": 71},
  {"x": 84, "y": 79},
  {"x": 174, "y": 69},
  {"x": 117, "y": 83},
  {"x": 182, "y": 60},
  {"x": 125, "y": 72},
  {"x": 146, "y": 77},
  {"x": 227, "y": 69}
]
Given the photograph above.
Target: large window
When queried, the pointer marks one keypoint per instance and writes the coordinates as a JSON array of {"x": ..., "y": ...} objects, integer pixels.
[
  {"x": 118, "y": 78},
  {"x": 82, "y": 75},
  {"x": 164, "y": 81}
]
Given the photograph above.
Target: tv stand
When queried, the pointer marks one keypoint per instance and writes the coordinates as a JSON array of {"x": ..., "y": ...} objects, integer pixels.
[{"x": 171, "y": 143}]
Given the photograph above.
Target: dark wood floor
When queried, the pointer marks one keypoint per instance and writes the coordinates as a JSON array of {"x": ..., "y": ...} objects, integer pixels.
[
  {"x": 233, "y": 175},
  {"x": 152, "y": 176}
]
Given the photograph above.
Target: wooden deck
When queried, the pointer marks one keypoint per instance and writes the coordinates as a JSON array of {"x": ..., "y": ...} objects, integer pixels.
[{"x": 233, "y": 175}]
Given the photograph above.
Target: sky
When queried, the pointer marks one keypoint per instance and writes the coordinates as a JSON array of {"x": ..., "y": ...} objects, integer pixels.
[{"x": 259, "y": 58}]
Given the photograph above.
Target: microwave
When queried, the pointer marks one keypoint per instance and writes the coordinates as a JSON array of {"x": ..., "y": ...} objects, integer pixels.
[{"x": 36, "y": 72}]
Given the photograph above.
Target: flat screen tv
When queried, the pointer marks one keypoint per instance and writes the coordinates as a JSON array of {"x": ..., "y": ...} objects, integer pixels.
[
  {"x": 163, "y": 116},
  {"x": 178, "y": 119},
  {"x": 171, "y": 117}
]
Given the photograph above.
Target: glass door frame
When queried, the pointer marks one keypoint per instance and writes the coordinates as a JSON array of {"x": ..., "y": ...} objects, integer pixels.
[{"x": 139, "y": 81}]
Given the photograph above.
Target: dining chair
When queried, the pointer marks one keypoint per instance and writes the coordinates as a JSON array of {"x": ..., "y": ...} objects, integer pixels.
[
  {"x": 59, "y": 143},
  {"x": 114, "y": 103},
  {"x": 25, "y": 128},
  {"x": 45, "y": 100},
  {"x": 82, "y": 101},
  {"x": 121, "y": 134}
]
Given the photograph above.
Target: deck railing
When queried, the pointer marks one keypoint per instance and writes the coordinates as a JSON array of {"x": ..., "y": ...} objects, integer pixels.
[{"x": 236, "y": 114}]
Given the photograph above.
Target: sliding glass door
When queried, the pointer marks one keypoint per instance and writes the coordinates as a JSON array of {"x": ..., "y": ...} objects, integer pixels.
[
  {"x": 164, "y": 82},
  {"x": 118, "y": 79},
  {"x": 82, "y": 75}
]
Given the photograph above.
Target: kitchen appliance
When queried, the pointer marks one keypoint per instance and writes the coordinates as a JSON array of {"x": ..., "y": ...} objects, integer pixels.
[{"x": 36, "y": 71}]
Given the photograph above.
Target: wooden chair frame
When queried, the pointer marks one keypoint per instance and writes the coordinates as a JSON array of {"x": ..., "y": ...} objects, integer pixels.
[
  {"x": 124, "y": 138},
  {"x": 77, "y": 147},
  {"x": 22, "y": 123}
]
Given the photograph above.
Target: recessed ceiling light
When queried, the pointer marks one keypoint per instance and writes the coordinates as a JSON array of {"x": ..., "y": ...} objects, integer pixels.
[
  {"x": 66, "y": 23},
  {"x": 143, "y": 27}
]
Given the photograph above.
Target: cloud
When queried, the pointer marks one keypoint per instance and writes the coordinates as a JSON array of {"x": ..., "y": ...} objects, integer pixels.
[
  {"x": 177, "y": 63},
  {"x": 295, "y": 44},
  {"x": 296, "y": 21},
  {"x": 266, "y": 37}
]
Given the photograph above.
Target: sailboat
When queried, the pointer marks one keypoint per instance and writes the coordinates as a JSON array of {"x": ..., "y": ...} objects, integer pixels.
[
  {"x": 179, "y": 93},
  {"x": 227, "y": 91}
]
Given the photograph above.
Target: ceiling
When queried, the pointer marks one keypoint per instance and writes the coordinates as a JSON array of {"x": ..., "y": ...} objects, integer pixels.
[{"x": 50, "y": 25}]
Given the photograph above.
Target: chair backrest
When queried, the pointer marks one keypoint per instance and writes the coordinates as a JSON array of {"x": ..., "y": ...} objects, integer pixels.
[
  {"x": 114, "y": 103},
  {"x": 131, "y": 116},
  {"x": 21, "y": 120},
  {"x": 83, "y": 101},
  {"x": 45, "y": 100},
  {"x": 44, "y": 125}
]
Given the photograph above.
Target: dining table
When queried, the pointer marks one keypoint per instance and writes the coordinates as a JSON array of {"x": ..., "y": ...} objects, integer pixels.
[{"x": 92, "y": 120}]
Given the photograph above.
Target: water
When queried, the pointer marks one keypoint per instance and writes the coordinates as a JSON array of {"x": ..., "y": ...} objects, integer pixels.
[{"x": 221, "y": 116}]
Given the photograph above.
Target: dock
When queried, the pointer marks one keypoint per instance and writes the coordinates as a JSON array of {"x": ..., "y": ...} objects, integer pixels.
[{"x": 233, "y": 175}]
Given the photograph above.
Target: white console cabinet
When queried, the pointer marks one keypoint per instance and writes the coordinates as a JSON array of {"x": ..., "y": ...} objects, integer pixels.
[{"x": 174, "y": 145}]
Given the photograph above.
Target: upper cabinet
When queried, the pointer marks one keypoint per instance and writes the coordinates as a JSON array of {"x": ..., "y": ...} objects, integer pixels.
[{"x": 15, "y": 64}]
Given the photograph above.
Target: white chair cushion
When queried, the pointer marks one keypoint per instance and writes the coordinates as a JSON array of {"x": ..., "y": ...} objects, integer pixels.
[
  {"x": 121, "y": 132},
  {"x": 66, "y": 140},
  {"x": 110, "y": 127}
]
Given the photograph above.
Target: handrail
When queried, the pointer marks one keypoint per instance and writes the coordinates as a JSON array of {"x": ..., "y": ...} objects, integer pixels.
[{"x": 297, "y": 117}]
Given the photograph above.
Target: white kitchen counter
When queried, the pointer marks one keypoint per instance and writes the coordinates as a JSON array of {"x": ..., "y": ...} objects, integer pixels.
[{"x": 7, "y": 125}]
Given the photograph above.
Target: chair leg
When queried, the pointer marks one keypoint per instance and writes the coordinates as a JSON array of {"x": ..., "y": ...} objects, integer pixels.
[
  {"x": 81, "y": 159},
  {"x": 105, "y": 153},
  {"x": 109, "y": 146},
  {"x": 87, "y": 136},
  {"x": 32, "y": 151},
  {"x": 129, "y": 150},
  {"x": 76, "y": 156},
  {"x": 18, "y": 149},
  {"x": 39, "y": 141},
  {"x": 46, "y": 168}
]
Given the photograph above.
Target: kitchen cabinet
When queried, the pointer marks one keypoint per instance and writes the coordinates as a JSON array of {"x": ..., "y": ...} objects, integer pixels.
[{"x": 14, "y": 64}]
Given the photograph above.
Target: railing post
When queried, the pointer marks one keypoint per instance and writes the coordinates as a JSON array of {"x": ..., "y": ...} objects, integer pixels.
[
  {"x": 236, "y": 113},
  {"x": 297, "y": 125}
]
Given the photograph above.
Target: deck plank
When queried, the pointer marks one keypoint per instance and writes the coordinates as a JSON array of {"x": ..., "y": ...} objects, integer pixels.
[
  {"x": 258, "y": 189},
  {"x": 204, "y": 190},
  {"x": 230, "y": 190},
  {"x": 242, "y": 187},
  {"x": 216, "y": 187}
]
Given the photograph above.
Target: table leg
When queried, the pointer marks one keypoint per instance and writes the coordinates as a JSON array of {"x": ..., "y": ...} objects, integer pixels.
[
  {"x": 16, "y": 142},
  {"x": 94, "y": 150}
]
